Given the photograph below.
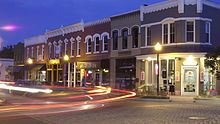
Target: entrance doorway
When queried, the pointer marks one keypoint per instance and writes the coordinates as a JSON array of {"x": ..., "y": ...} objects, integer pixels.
[{"x": 190, "y": 80}]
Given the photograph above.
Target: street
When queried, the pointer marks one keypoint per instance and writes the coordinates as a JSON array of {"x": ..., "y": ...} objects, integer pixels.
[{"x": 72, "y": 107}]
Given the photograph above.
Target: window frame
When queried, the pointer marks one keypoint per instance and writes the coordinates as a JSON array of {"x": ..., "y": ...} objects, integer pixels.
[
  {"x": 124, "y": 38},
  {"x": 135, "y": 36},
  {"x": 115, "y": 39},
  {"x": 194, "y": 31}
]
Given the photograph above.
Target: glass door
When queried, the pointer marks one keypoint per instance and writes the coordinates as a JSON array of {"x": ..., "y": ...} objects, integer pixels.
[{"x": 189, "y": 82}]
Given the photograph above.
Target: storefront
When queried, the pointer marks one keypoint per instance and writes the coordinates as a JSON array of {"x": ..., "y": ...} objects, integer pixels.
[
  {"x": 125, "y": 73},
  {"x": 54, "y": 71},
  {"x": 94, "y": 72},
  {"x": 185, "y": 71}
]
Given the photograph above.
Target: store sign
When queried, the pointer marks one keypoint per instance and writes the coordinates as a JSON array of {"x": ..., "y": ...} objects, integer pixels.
[
  {"x": 54, "y": 61},
  {"x": 86, "y": 65},
  {"x": 142, "y": 75}
]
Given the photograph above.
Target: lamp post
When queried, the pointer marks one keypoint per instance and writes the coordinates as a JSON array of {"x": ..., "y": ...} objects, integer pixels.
[
  {"x": 158, "y": 48},
  {"x": 29, "y": 62},
  {"x": 67, "y": 59}
]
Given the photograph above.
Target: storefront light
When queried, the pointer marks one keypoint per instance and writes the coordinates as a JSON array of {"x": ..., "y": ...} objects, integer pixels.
[
  {"x": 43, "y": 72},
  {"x": 89, "y": 71},
  {"x": 149, "y": 59},
  {"x": 190, "y": 61},
  {"x": 30, "y": 61},
  {"x": 106, "y": 71}
]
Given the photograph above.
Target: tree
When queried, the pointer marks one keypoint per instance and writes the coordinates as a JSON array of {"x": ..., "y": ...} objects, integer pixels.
[
  {"x": 7, "y": 52},
  {"x": 212, "y": 60}
]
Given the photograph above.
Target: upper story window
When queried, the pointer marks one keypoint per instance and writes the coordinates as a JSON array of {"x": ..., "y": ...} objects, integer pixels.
[
  {"x": 27, "y": 52},
  {"x": 65, "y": 47},
  {"x": 105, "y": 43},
  {"x": 135, "y": 32},
  {"x": 38, "y": 53},
  {"x": 32, "y": 52},
  {"x": 96, "y": 44},
  {"x": 190, "y": 31},
  {"x": 172, "y": 33},
  {"x": 50, "y": 50},
  {"x": 168, "y": 33},
  {"x": 124, "y": 38},
  {"x": 72, "y": 46},
  {"x": 89, "y": 45},
  {"x": 42, "y": 52},
  {"x": 78, "y": 50},
  {"x": 148, "y": 36},
  {"x": 115, "y": 39},
  {"x": 208, "y": 32},
  {"x": 165, "y": 33}
]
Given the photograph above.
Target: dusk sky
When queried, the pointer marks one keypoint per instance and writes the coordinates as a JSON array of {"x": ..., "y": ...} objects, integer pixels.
[{"x": 34, "y": 17}]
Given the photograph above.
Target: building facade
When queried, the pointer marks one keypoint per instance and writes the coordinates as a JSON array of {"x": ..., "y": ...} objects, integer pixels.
[
  {"x": 125, "y": 45},
  {"x": 86, "y": 45},
  {"x": 119, "y": 51},
  {"x": 19, "y": 61},
  {"x": 35, "y": 58},
  {"x": 187, "y": 30}
]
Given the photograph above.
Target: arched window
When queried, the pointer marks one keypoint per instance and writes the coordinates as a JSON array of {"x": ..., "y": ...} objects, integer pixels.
[
  {"x": 96, "y": 44},
  {"x": 115, "y": 39},
  {"x": 89, "y": 45},
  {"x": 134, "y": 32},
  {"x": 124, "y": 38},
  {"x": 105, "y": 43}
]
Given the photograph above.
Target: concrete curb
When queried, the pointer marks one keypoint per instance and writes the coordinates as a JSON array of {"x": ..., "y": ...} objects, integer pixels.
[{"x": 152, "y": 100}]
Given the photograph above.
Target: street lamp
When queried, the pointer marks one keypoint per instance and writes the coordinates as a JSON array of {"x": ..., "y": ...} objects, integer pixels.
[
  {"x": 158, "y": 48},
  {"x": 29, "y": 62},
  {"x": 67, "y": 59}
]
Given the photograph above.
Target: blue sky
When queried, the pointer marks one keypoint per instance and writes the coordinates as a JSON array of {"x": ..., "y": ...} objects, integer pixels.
[{"x": 34, "y": 17}]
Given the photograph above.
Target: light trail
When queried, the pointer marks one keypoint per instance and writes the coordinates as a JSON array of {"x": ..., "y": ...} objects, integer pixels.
[
  {"x": 24, "y": 89},
  {"x": 51, "y": 107}
]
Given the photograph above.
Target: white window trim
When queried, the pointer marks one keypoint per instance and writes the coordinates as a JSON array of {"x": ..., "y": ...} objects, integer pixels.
[
  {"x": 103, "y": 43},
  {"x": 42, "y": 52},
  {"x": 146, "y": 32},
  {"x": 168, "y": 26},
  {"x": 87, "y": 47},
  {"x": 209, "y": 23},
  {"x": 72, "y": 40},
  {"x": 32, "y": 52},
  {"x": 37, "y": 53},
  {"x": 95, "y": 51},
  {"x": 112, "y": 43},
  {"x": 27, "y": 53},
  {"x": 78, "y": 40},
  {"x": 127, "y": 39},
  {"x": 65, "y": 46},
  {"x": 194, "y": 28}
]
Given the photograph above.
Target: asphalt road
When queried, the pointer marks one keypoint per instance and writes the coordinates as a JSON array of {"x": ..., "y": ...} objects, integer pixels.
[
  {"x": 67, "y": 107},
  {"x": 131, "y": 112}
]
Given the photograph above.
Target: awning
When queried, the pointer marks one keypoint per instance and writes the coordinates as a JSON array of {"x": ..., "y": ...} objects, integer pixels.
[
  {"x": 18, "y": 68},
  {"x": 127, "y": 67},
  {"x": 36, "y": 67}
]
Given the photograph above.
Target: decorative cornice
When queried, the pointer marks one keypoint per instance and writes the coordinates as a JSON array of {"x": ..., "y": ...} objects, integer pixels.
[
  {"x": 65, "y": 30},
  {"x": 102, "y": 21},
  {"x": 35, "y": 40},
  {"x": 177, "y": 3}
]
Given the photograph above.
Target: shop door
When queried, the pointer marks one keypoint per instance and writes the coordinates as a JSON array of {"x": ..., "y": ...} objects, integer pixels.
[{"x": 189, "y": 80}]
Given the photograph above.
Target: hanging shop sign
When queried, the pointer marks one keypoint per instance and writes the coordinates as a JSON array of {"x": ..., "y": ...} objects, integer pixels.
[
  {"x": 88, "y": 65},
  {"x": 142, "y": 76}
]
